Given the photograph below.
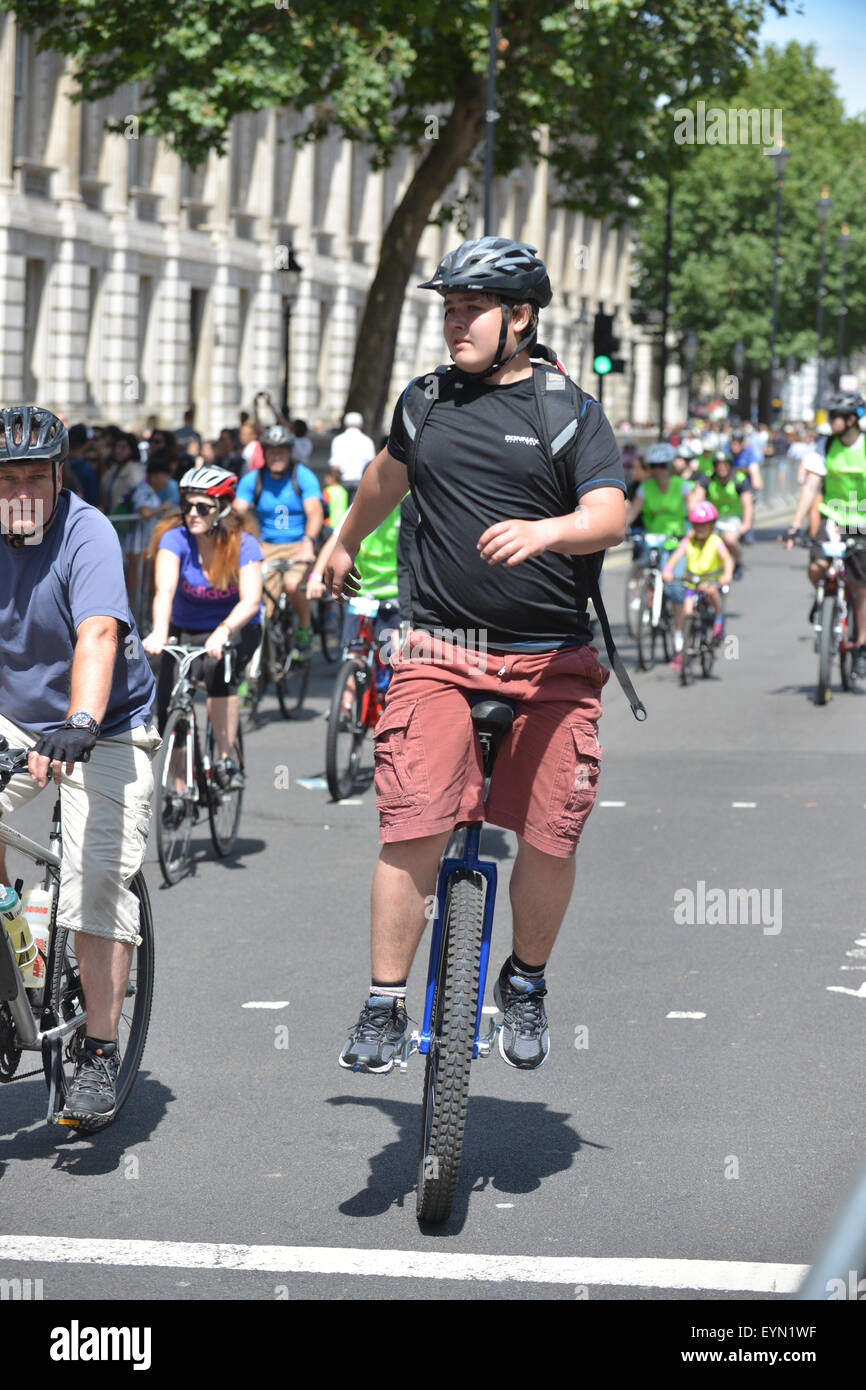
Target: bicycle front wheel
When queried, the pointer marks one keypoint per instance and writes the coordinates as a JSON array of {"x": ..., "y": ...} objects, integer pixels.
[
  {"x": 224, "y": 805},
  {"x": 632, "y": 603},
  {"x": 330, "y": 625},
  {"x": 176, "y": 797},
  {"x": 689, "y": 654},
  {"x": 452, "y": 1037},
  {"x": 646, "y": 633},
  {"x": 825, "y": 649},
  {"x": 66, "y": 998},
  {"x": 346, "y": 728}
]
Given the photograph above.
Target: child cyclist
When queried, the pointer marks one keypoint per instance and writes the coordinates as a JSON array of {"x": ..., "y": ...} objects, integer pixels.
[
  {"x": 492, "y": 555},
  {"x": 708, "y": 563}
]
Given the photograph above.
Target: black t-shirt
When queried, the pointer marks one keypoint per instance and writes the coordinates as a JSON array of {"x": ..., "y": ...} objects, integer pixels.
[{"x": 481, "y": 460}]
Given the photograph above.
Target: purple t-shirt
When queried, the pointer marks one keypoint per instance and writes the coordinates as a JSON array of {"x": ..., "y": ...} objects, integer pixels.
[
  {"x": 198, "y": 606},
  {"x": 46, "y": 592}
]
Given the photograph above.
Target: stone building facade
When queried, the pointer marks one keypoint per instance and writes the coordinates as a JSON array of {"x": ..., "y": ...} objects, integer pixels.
[{"x": 132, "y": 285}]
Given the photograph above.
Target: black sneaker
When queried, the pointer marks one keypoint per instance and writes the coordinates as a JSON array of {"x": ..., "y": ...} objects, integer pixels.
[
  {"x": 524, "y": 1040},
  {"x": 375, "y": 1040},
  {"x": 860, "y": 661},
  {"x": 92, "y": 1095}
]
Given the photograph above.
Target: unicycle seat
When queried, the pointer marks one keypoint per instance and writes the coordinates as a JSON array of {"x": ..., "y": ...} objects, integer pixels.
[{"x": 493, "y": 717}]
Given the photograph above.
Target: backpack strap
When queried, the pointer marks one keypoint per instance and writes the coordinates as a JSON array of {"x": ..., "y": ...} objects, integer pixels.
[
  {"x": 260, "y": 483},
  {"x": 418, "y": 400},
  {"x": 561, "y": 408}
]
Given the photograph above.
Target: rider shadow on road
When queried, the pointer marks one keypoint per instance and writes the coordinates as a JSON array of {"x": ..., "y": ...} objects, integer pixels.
[
  {"x": 85, "y": 1155},
  {"x": 509, "y": 1145}
]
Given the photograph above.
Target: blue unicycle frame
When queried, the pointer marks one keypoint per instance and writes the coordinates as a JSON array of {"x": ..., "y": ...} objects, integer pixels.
[{"x": 469, "y": 862}]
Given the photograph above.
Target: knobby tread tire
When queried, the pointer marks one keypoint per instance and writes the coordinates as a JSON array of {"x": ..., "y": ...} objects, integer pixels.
[
  {"x": 446, "y": 1079},
  {"x": 341, "y": 780}
]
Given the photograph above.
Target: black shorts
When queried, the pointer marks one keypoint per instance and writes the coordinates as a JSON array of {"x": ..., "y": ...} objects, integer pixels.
[
  {"x": 855, "y": 560},
  {"x": 242, "y": 644}
]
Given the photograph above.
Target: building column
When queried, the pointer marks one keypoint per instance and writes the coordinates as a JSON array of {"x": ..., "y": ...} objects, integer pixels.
[
  {"x": 70, "y": 326},
  {"x": 268, "y": 352},
  {"x": 344, "y": 333},
  {"x": 305, "y": 347},
  {"x": 120, "y": 384},
  {"x": 172, "y": 393},
  {"x": 12, "y": 285},
  {"x": 222, "y": 399},
  {"x": 7, "y": 97}
]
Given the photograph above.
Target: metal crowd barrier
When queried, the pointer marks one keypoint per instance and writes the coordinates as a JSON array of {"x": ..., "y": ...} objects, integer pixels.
[{"x": 134, "y": 533}]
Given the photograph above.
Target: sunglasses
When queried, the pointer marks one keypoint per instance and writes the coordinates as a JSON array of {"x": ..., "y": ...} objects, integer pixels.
[
  {"x": 200, "y": 508},
  {"x": 661, "y": 467}
]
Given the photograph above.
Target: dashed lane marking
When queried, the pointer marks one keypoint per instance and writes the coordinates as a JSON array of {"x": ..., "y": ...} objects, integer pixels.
[
  {"x": 725, "y": 1276},
  {"x": 674, "y": 1014},
  {"x": 266, "y": 1004}
]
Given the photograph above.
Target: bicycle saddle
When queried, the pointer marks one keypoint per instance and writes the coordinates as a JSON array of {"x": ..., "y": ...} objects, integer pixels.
[{"x": 493, "y": 717}]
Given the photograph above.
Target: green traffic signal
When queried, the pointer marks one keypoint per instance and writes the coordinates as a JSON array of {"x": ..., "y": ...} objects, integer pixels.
[{"x": 601, "y": 365}]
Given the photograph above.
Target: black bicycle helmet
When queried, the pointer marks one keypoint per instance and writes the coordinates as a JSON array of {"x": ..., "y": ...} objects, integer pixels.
[
  {"x": 846, "y": 403},
  {"x": 510, "y": 270},
  {"x": 31, "y": 434}
]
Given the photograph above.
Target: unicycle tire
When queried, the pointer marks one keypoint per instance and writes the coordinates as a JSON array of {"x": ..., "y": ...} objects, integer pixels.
[{"x": 452, "y": 1038}]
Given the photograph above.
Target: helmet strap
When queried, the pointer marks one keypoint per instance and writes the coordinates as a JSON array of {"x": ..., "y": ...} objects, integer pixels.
[{"x": 498, "y": 361}]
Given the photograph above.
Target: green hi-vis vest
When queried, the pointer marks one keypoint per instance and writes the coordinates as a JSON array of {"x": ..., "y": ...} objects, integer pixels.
[
  {"x": 664, "y": 513},
  {"x": 845, "y": 483},
  {"x": 377, "y": 559},
  {"x": 724, "y": 496}
]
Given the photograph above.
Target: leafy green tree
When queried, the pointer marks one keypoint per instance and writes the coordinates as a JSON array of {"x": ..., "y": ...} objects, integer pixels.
[
  {"x": 724, "y": 220},
  {"x": 591, "y": 73}
]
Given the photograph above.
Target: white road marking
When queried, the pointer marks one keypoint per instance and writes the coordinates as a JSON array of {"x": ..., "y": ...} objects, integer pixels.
[
  {"x": 266, "y": 1004},
  {"x": 350, "y": 801},
  {"x": 611, "y": 803},
  {"x": 842, "y": 989},
  {"x": 744, "y": 805},
  {"x": 727, "y": 1276},
  {"x": 679, "y": 1015}
]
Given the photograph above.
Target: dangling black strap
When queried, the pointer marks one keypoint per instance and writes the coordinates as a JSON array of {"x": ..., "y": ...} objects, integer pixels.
[{"x": 560, "y": 452}]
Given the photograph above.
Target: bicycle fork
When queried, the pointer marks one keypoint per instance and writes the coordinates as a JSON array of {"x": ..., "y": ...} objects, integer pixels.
[{"x": 470, "y": 863}]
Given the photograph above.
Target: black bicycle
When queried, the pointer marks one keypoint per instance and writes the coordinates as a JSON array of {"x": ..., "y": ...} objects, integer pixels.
[
  {"x": 51, "y": 1018},
  {"x": 273, "y": 662},
  {"x": 185, "y": 781},
  {"x": 654, "y": 620},
  {"x": 699, "y": 643}
]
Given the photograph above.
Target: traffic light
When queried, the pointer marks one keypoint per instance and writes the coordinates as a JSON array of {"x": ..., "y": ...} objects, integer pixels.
[{"x": 605, "y": 346}]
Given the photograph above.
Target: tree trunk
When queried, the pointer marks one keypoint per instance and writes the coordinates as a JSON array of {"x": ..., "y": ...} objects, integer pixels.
[{"x": 377, "y": 335}]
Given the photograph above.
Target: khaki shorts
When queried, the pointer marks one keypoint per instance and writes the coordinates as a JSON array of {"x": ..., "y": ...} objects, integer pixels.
[
  {"x": 289, "y": 550},
  {"x": 106, "y": 807},
  {"x": 428, "y": 759}
]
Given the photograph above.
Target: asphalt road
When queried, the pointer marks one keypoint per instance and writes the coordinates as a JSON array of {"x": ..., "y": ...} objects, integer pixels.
[{"x": 725, "y": 1137}]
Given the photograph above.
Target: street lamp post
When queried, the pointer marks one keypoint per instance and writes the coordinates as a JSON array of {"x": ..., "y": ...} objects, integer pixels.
[
  {"x": 780, "y": 157},
  {"x": 689, "y": 354},
  {"x": 290, "y": 268},
  {"x": 844, "y": 242},
  {"x": 823, "y": 205}
]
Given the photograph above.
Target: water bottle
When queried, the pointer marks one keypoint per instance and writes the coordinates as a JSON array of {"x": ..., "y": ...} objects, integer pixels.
[
  {"x": 38, "y": 909},
  {"x": 16, "y": 924}
]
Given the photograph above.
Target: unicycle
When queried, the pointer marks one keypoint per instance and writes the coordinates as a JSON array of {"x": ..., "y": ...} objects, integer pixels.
[{"x": 457, "y": 972}]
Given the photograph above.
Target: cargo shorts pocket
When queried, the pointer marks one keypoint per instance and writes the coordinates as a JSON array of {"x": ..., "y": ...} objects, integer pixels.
[
  {"x": 401, "y": 763},
  {"x": 576, "y": 781}
]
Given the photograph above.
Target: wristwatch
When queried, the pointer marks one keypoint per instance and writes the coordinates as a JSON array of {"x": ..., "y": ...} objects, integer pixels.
[{"x": 82, "y": 720}]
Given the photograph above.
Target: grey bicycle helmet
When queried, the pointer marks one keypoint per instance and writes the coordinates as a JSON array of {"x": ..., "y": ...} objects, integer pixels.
[
  {"x": 31, "y": 434},
  {"x": 660, "y": 453},
  {"x": 846, "y": 403},
  {"x": 276, "y": 437},
  {"x": 510, "y": 270}
]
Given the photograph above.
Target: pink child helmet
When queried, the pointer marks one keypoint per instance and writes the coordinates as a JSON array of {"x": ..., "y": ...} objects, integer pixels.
[{"x": 703, "y": 511}]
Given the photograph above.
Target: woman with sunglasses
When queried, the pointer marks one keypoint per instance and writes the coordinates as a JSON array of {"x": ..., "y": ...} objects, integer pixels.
[{"x": 208, "y": 591}]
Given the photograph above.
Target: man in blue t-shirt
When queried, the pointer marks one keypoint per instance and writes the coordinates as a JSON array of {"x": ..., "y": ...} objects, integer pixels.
[
  {"x": 287, "y": 500},
  {"x": 76, "y": 688}
]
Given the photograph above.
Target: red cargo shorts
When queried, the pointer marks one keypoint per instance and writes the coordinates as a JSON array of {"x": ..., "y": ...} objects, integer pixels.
[{"x": 428, "y": 759}]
